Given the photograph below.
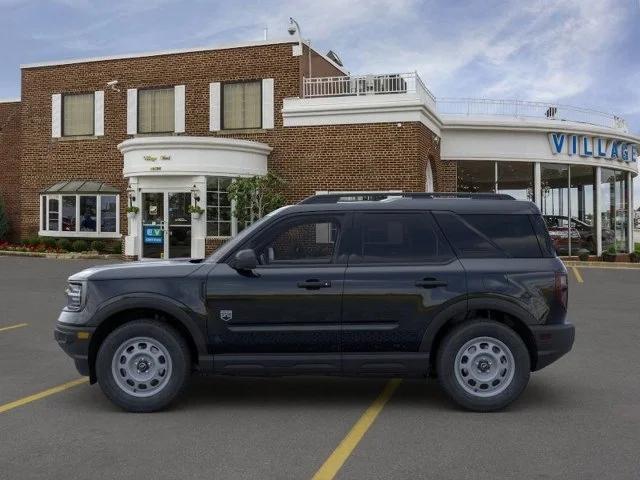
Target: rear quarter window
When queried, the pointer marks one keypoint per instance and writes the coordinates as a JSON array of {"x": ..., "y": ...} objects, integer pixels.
[{"x": 490, "y": 235}]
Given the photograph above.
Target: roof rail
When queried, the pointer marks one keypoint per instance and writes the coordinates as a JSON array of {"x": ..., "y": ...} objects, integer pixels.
[{"x": 379, "y": 196}]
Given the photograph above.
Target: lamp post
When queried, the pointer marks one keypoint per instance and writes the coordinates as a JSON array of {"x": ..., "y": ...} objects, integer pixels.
[{"x": 294, "y": 27}]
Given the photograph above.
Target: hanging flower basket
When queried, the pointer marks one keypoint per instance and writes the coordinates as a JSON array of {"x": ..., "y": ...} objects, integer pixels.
[
  {"x": 132, "y": 212},
  {"x": 195, "y": 211}
]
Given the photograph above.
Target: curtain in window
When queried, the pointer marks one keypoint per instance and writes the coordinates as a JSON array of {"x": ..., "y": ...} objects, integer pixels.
[
  {"x": 78, "y": 114},
  {"x": 242, "y": 105},
  {"x": 156, "y": 110}
]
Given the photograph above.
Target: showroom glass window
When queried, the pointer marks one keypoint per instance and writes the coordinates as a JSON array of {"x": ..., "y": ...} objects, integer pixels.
[
  {"x": 219, "y": 221},
  {"x": 156, "y": 110},
  {"x": 516, "y": 179},
  {"x": 78, "y": 114},
  {"x": 614, "y": 210},
  {"x": 582, "y": 203},
  {"x": 79, "y": 214},
  {"x": 554, "y": 203},
  {"x": 476, "y": 176},
  {"x": 241, "y": 105}
]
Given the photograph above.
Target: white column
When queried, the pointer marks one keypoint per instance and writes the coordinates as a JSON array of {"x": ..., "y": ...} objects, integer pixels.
[
  {"x": 199, "y": 226},
  {"x": 630, "y": 211},
  {"x": 537, "y": 185},
  {"x": 132, "y": 242},
  {"x": 598, "y": 211}
]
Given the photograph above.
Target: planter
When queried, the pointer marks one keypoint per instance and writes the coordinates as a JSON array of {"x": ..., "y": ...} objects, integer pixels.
[
  {"x": 131, "y": 215},
  {"x": 196, "y": 215},
  {"x": 616, "y": 257}
]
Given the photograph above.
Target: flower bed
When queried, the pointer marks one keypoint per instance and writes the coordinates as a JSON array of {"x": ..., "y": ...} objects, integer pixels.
[{"x": 33, "y": 248}]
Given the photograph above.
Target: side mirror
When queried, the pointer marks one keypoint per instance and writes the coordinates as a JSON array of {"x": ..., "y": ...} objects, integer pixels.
[{"x": 245, "y": 260}]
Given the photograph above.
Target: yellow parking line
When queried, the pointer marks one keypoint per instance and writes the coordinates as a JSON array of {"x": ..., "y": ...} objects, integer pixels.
[
  {"x": 576, "y": 272},
  {"x": 45, "y": 393},
  {"x": 19, "y": 325},
  {"x": 335, "y": 461}
]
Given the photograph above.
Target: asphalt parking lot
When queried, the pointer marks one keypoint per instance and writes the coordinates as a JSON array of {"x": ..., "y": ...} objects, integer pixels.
[{"x": 578, "y": 418}]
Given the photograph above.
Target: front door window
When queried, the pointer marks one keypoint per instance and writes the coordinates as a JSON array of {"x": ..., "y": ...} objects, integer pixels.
[{"x": 166, "y": 225}]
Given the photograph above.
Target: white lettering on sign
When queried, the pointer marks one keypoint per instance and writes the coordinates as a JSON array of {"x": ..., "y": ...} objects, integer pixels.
[{"x": 588, "y": 146}]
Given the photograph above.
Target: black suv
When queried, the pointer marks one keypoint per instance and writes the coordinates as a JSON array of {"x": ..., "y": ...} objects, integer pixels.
[{"x": 464, "y": 287}]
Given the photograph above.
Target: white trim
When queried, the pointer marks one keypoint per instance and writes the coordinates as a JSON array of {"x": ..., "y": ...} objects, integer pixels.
[
  {"x": 10, "y": 100},
  {"x": 268, "y": 103},
  {"x": 598, "y": 212},
  {"x": 214, "y": 107},
  {"x": 62, "y": 234},
  {"x": 98, "y": 113},
  {"x": 157, "y": 53},
  {"x": 179, "y": 108},
  {"x": 630, "y": 215},
  {"x": 56, "y": 115},
  {"x": 132, "y": 111},
  {"x": 393, "y": 108},
  {"x": 429, "y": 183}
]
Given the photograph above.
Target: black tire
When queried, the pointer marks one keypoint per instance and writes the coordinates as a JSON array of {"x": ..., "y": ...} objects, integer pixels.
[
  {"x": 180, "y": 361},
  {"x": 452, "y": 383}
]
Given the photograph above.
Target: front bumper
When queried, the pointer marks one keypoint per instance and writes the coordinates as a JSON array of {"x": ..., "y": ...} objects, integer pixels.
[
  {"x": 74, "y": 340},
  {"x": 552, "y": 342}
]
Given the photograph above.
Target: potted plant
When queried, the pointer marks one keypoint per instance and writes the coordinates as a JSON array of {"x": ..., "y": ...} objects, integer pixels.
[
  {"x": 611, "y": 254},
  {"x": 583, "y": 254},
  {"x": 196, "y": 211},
  {"x": 132, "y": 211}
]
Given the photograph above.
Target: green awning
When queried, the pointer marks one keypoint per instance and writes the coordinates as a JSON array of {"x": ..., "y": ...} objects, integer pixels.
[{"x": 81, "y": 186}]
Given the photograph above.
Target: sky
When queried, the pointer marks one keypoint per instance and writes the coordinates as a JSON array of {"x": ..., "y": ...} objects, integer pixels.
[{"x": 576, "y": 52}]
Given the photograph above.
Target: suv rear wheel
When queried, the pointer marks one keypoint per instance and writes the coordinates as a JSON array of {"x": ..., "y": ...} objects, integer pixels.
[
  {"x": 483, "y": 365},
  {"x": 143, "y": 365}
]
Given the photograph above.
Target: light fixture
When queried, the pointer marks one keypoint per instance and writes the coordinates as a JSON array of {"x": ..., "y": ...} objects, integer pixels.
[
  {"x": 132, "y": 194},
  {"x": 195, "y": 191}
]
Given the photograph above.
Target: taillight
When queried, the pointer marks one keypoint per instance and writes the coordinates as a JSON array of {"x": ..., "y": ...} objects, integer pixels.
[{"x": 562, "y": 289}]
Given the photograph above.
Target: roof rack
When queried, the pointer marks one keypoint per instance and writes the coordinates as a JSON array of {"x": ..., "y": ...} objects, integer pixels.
[{"x": 380, "y": 196}]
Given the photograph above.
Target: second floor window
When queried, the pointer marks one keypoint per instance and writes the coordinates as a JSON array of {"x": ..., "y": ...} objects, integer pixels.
[
  {"x": 78, "y": 114},
  {"x": 242, "y": 105},
  {"x": 156, "y": 110}
]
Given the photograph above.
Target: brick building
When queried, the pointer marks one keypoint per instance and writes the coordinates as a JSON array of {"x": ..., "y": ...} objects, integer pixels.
[{"x": 161, "y": 131}]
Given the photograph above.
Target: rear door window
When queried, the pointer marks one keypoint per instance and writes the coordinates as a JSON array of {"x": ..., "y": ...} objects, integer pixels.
[
  {"x": 491, "y": 235},
  {"x": 398, "y": 237}
]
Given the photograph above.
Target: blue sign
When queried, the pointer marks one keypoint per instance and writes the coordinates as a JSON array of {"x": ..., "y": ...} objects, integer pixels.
[
  {"x": 598, "y": 147},
  {"x": 153, "y": 235}
]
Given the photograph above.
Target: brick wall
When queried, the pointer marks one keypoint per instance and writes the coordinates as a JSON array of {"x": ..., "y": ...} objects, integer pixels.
[
  {"x": 9, "y": 163},
  {"x": 339, "y": 157}
]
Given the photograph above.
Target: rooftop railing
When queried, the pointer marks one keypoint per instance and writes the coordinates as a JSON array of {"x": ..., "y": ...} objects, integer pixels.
[
  {"x": 411, "y": 83},
  {"x": 357, "y": 85},
  {"x": 525, "y": 109}
]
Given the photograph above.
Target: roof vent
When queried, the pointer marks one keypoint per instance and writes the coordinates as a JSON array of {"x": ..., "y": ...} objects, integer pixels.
[{"x": 334, "y": 57}]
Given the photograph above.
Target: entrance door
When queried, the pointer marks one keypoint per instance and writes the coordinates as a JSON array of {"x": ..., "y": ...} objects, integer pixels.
[
  {"x": 153, "y": 223},
  {"x": 166, "y": 225},
  {"x": 179, "y": 225}
]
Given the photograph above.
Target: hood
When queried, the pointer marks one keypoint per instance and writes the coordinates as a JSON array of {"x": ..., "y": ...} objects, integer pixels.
[{"x": 133, "y": 270}]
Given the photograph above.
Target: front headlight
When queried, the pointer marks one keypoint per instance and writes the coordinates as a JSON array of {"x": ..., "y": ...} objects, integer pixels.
[{"x": 75, "y": 297}]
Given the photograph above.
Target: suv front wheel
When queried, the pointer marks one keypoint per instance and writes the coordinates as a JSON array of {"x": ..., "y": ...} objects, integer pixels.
[
  {"x": 483, "y": 365},
  {"x": 143, "y": 365}
]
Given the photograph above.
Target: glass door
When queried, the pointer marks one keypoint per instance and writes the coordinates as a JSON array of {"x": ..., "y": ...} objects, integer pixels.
[
  {"x": 153, "y": 225},
  {"x": 179, "y": 225}
]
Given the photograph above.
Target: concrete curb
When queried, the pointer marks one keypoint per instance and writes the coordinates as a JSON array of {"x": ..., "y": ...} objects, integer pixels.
[
  {"x": 61, "y": 256},
  {"x": 612, "y": 265}
]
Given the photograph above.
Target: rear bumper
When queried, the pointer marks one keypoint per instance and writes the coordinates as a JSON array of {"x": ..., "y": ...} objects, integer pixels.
[
  {"x": 552, "y": 342},
  {"x": 75, "y": 343}
]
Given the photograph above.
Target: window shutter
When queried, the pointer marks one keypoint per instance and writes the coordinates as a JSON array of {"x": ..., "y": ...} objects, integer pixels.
[
  {"x": 214, "y": 107},
  {"x": 132, "y": 111},
  {"x": 98, "y": 112},
  {"x": 267, "y": 103},
  {"x": 56, "y": 115},
  {"x": 179, "y": 110}
]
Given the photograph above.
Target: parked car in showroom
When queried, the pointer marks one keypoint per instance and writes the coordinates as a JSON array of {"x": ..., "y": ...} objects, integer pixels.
[{"x": 463, "y": 287}]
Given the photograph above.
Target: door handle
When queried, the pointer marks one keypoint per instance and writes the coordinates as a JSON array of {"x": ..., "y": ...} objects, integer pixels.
[
  {"x": 430, "y": 283},
  {"x": 314, "y": 284}
]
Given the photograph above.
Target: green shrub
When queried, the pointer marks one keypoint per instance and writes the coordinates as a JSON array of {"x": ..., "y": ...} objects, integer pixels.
[
  {"x": 98, "y": 246},
  {"x": 49, "y": 242},
  {"x": 32, "y": 240},
  {"x": 117, "y": 248},
  {"x": 64, "y": 244},
  {"x": 79, "y": 246},
  {"x": 583, "y": 254}
]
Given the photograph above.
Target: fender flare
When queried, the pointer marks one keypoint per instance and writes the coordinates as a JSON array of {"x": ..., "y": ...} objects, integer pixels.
[
  {"x": 161, "y": 303},
  {"x": 492, "y": 302}
]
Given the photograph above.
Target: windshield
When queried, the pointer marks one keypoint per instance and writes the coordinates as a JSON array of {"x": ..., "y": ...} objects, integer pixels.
[{"x": 231, "y": 244}]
